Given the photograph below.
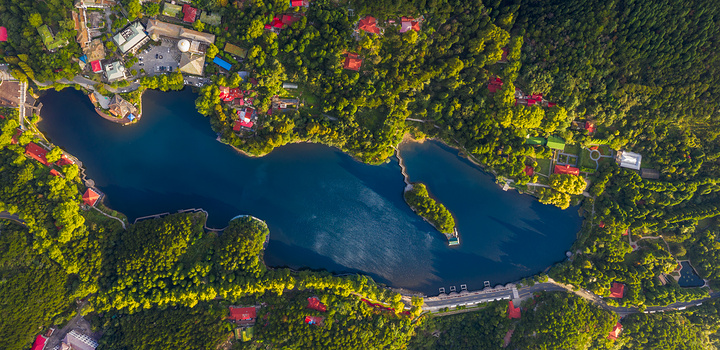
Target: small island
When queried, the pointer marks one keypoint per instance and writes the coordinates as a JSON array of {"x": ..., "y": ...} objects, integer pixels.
[{"x": 417, "y": 196}]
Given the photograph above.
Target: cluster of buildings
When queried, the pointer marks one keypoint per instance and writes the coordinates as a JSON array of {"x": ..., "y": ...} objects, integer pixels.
[
  {"x": 191, "y": 44},
  {"x": 369, "y": 24}
]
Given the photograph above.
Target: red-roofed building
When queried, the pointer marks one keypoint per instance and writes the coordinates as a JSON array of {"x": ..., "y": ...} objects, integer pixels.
[
  {"x": 244, "y": 119},
  {"x": 369, "y": 24},
  {"x": 64, "y": 160},
  {"x": 298, "y": 3},
  {"x": 615, "y": 332},
  {"x": 96, "y": 66},
  {"x": 315, "y": 304},
  {"x": 227, "y": 94},
  {"x": 313, "y": 320},
  {"x": 550, "y": 104},
  {"x": 590, "y": 126},
  {"x": 566, "y": 169},
  {"x": 352, "y": 62},
  {"x": 617, "y": 290},
  {"x": 495, "y": 84},
  {"x": 16, "y": 137},
  {"x": 505, "y": 52},
  {"x": 531, "y": 102},
  {"x": 627, "y": 231},
  {"x": 513, "y": 312},
  {"x": 529, "y": 171},
  {"x": 242, "y": 313},
  {"x": 39, "y": 343},
  {"x": 90, "y": 197},
  {"x": 36, "y": 152},
  {"x": 289, "y": 20},
  {"x": 409, "y": 23},
  {"x": 601, "y": 224},
  {"x": 3, "y": 34},
  {"x": 54, "y": 172},
  {"x": 189, "y": 13}
]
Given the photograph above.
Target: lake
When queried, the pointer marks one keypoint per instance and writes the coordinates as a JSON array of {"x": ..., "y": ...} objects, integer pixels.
[{"x": 324, "y": 209}]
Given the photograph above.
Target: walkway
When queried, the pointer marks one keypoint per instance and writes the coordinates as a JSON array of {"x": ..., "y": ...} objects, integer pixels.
[
  {"x": 23, "y": 96},
  {"x": 112, "y": 217}
]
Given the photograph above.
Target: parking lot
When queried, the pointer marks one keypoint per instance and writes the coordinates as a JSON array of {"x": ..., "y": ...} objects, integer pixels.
[{"x": 158, "y": 59}]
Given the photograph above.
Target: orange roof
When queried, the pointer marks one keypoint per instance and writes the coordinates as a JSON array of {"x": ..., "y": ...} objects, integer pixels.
[
  {"x": 566, "y": 169},
  {"x": 369, "y": 24},
  {"x": 16, "y": 137},
  {"x": 36, "y": 152},
  {"x": 617, "y": 290},
  {"x": 315, "y": 304},
  {"x": 615, "y": 332},
  {"x": 513, "y": 312},
  {"x": 352, "y": 63},
  {"x": 189, "y": 13},
  {"x": 529, "y": 171},
  {"x": 54, "y": 172},
  {"x": 90, "y": 197}
]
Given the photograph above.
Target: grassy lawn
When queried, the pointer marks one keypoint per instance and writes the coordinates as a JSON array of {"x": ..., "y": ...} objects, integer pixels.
[
  {"x": 602, "y": 161},
  {"x": 572, "y": 149},
  {"x": 585, "y": 160},
  {"x": 544, "y": 166},
  {"x": 311, "y": 101}
]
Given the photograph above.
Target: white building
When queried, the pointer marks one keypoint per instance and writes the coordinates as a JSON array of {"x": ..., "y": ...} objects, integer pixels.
[
  {"x": 115, "y": 71},
  {"x": 131, "y": 38},
  {"x": 78, "y": 341},
  {"x": 628, "y": 160}
]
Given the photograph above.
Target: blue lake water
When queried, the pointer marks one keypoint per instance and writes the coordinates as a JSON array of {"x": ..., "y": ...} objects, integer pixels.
[{"x": 324, "y": 209}]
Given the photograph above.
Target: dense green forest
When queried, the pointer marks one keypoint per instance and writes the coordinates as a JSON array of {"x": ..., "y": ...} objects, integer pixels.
[
  {"x": 645, "y": 73},
  {"x": 427, "y": 207}
]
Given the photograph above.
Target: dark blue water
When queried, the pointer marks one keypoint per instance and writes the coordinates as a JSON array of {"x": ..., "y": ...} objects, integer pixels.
[
  {"x": 324, "y": 209},
  {"x": 688, "y": 276}
]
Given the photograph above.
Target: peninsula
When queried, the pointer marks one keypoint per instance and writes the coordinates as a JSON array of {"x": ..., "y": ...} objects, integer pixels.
[{"x": 417, "y": 196}]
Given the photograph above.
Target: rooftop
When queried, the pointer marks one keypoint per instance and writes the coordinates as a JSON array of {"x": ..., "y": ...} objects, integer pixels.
[
  {"x": 189, "y": 13},
  {"x": 369, "y": 24},
  {"x": 513, "y": 312},
  {"x": 352, "y": 62},
  {"x": 617, "y": 290},
  {"x": 90, "y": 197},
  {"x": 242, "y": 313},
  {"x": 192, "y": 63},
  {"x": 10, "y": 93},
  {"x": 36, "y": 152},
  {"x": 629, "y": 160},
  {"x": 114, "y": 71},
  {"x": 130, "y": 37},
  {"x": 566, "y": 169}
]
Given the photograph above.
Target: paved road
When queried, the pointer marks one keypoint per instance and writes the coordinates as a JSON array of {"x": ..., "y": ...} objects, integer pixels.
[
  {"x": 13, "y": 217},
  {"x": 467, "y": 298},
  {"x": 23, "y": 96},
  {"x": 472, "y": 298}
]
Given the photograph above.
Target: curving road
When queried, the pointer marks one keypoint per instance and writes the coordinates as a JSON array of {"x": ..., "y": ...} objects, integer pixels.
[
  {"x": 13, "y": 217},
  {"x": 506, "y": 293}
]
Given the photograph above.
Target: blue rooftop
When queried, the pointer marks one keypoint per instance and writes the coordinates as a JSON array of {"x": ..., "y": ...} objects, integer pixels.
[
  {"x": 83, "y": 58},
  {"x": 131, "y": 117},
  {"x": 222, "y": 64}
]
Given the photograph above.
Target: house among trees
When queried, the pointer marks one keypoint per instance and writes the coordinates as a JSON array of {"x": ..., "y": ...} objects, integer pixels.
[
  {"x": 244, "y": 119},
  {"x": 566, "y": 169},
  {"x": 3, "y": 34},
  {"x": 34, "y": 151},
  {"x": 299, "y": 3},
  {"x": 628, "y": 160},
  {"x": 199, "y": 41},
  {"x": 39, "y": 343},
  {"x": 409, "y": 23},
  {"x": 617, "y": 290},
  {"x": 369, "y": 25},
  {"x": 235, "y": 50},
  {"x": 220, "y": 62},
  {"x": 590, "y": 126},
  {"x": 96, "y": 66},
  {"x": 513, "y": 312},
  {"x": 130, "y": 39},
  {"x": 315, "y": 304},
  {"x": 90, "y": 197},
  {"x": 78, "y": 341},
  {"x": 352, "y": 62},
  {"x": 495, "y": 84},
  {"x": 244, "y": 316},
  {"x": 316, "y": 320},
  {"x": 120, "y": 107},
  {"x": 615, "y": 332},
  {"x": 189, "y": 13}
]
